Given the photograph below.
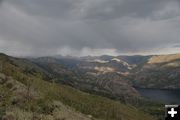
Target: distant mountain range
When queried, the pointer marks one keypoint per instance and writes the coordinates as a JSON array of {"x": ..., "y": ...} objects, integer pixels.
[{"x": 112, "y": 74}]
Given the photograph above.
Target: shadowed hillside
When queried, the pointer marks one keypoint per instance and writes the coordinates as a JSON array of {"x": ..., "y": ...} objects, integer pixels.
[{"x": 161, "y": 71}]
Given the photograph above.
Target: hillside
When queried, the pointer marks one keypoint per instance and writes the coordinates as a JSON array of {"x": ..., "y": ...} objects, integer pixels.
[
  {"x": 91, "y": 75},
  {"x": 117, "y": 77},
  {"x": 25, "y": 95},
  {"x": 161, "y": 71},
  {"x": 95, "y": 73},
  {"x": 21, "y": 102},
  {"x": 163, "y": 58}
]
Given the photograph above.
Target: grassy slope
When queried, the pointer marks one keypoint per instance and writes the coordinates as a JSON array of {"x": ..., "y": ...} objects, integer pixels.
[{"x": 96, "y": 106}]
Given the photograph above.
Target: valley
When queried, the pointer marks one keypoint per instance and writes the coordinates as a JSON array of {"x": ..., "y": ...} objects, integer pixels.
[
  {"x": 26, "y": 94},
  {"x": 105, "y": 85}
]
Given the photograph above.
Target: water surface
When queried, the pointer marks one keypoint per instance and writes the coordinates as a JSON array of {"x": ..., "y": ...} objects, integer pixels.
[{"x": 165, "y": 96}]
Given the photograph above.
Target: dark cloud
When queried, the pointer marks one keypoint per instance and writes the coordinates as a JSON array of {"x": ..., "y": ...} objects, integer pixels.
[
  {"x": 1, "y": 1},
  {"x": 46, "y": 8},
  {"x": 80, "y": 27},
  {"x": 131, "y": 8}
]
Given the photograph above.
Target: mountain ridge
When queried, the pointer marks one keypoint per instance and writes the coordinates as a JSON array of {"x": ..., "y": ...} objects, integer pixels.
[{"x": 126, "y": 66}]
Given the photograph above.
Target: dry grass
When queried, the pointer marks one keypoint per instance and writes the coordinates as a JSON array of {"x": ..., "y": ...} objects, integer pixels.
[{"x": 163, "y": 58}]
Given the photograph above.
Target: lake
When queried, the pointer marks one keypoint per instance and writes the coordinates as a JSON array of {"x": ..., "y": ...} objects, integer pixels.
[{"x": 165, "y": 96}]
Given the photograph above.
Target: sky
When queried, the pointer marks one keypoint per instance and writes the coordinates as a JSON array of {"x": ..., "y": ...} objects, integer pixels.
[{"x": 89, "y": 27}]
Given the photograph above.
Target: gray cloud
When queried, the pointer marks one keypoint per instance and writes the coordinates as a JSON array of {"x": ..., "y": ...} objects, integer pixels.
[
  {"x": 177, "y": 46},
  {"x": 79, "y": 27},
  {"x": 1, "y": 2},
  {"x": 46, "y": 8},
  {"x": 113, "y": 9}
]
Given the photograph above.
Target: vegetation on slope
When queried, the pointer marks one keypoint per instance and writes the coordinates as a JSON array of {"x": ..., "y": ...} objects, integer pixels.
[
  {"x": 160, "y": 72},
  {"x": 39, "y": 97}
]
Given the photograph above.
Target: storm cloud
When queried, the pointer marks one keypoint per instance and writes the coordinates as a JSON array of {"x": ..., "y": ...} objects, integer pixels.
[{"x": 89, "y": 27}]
